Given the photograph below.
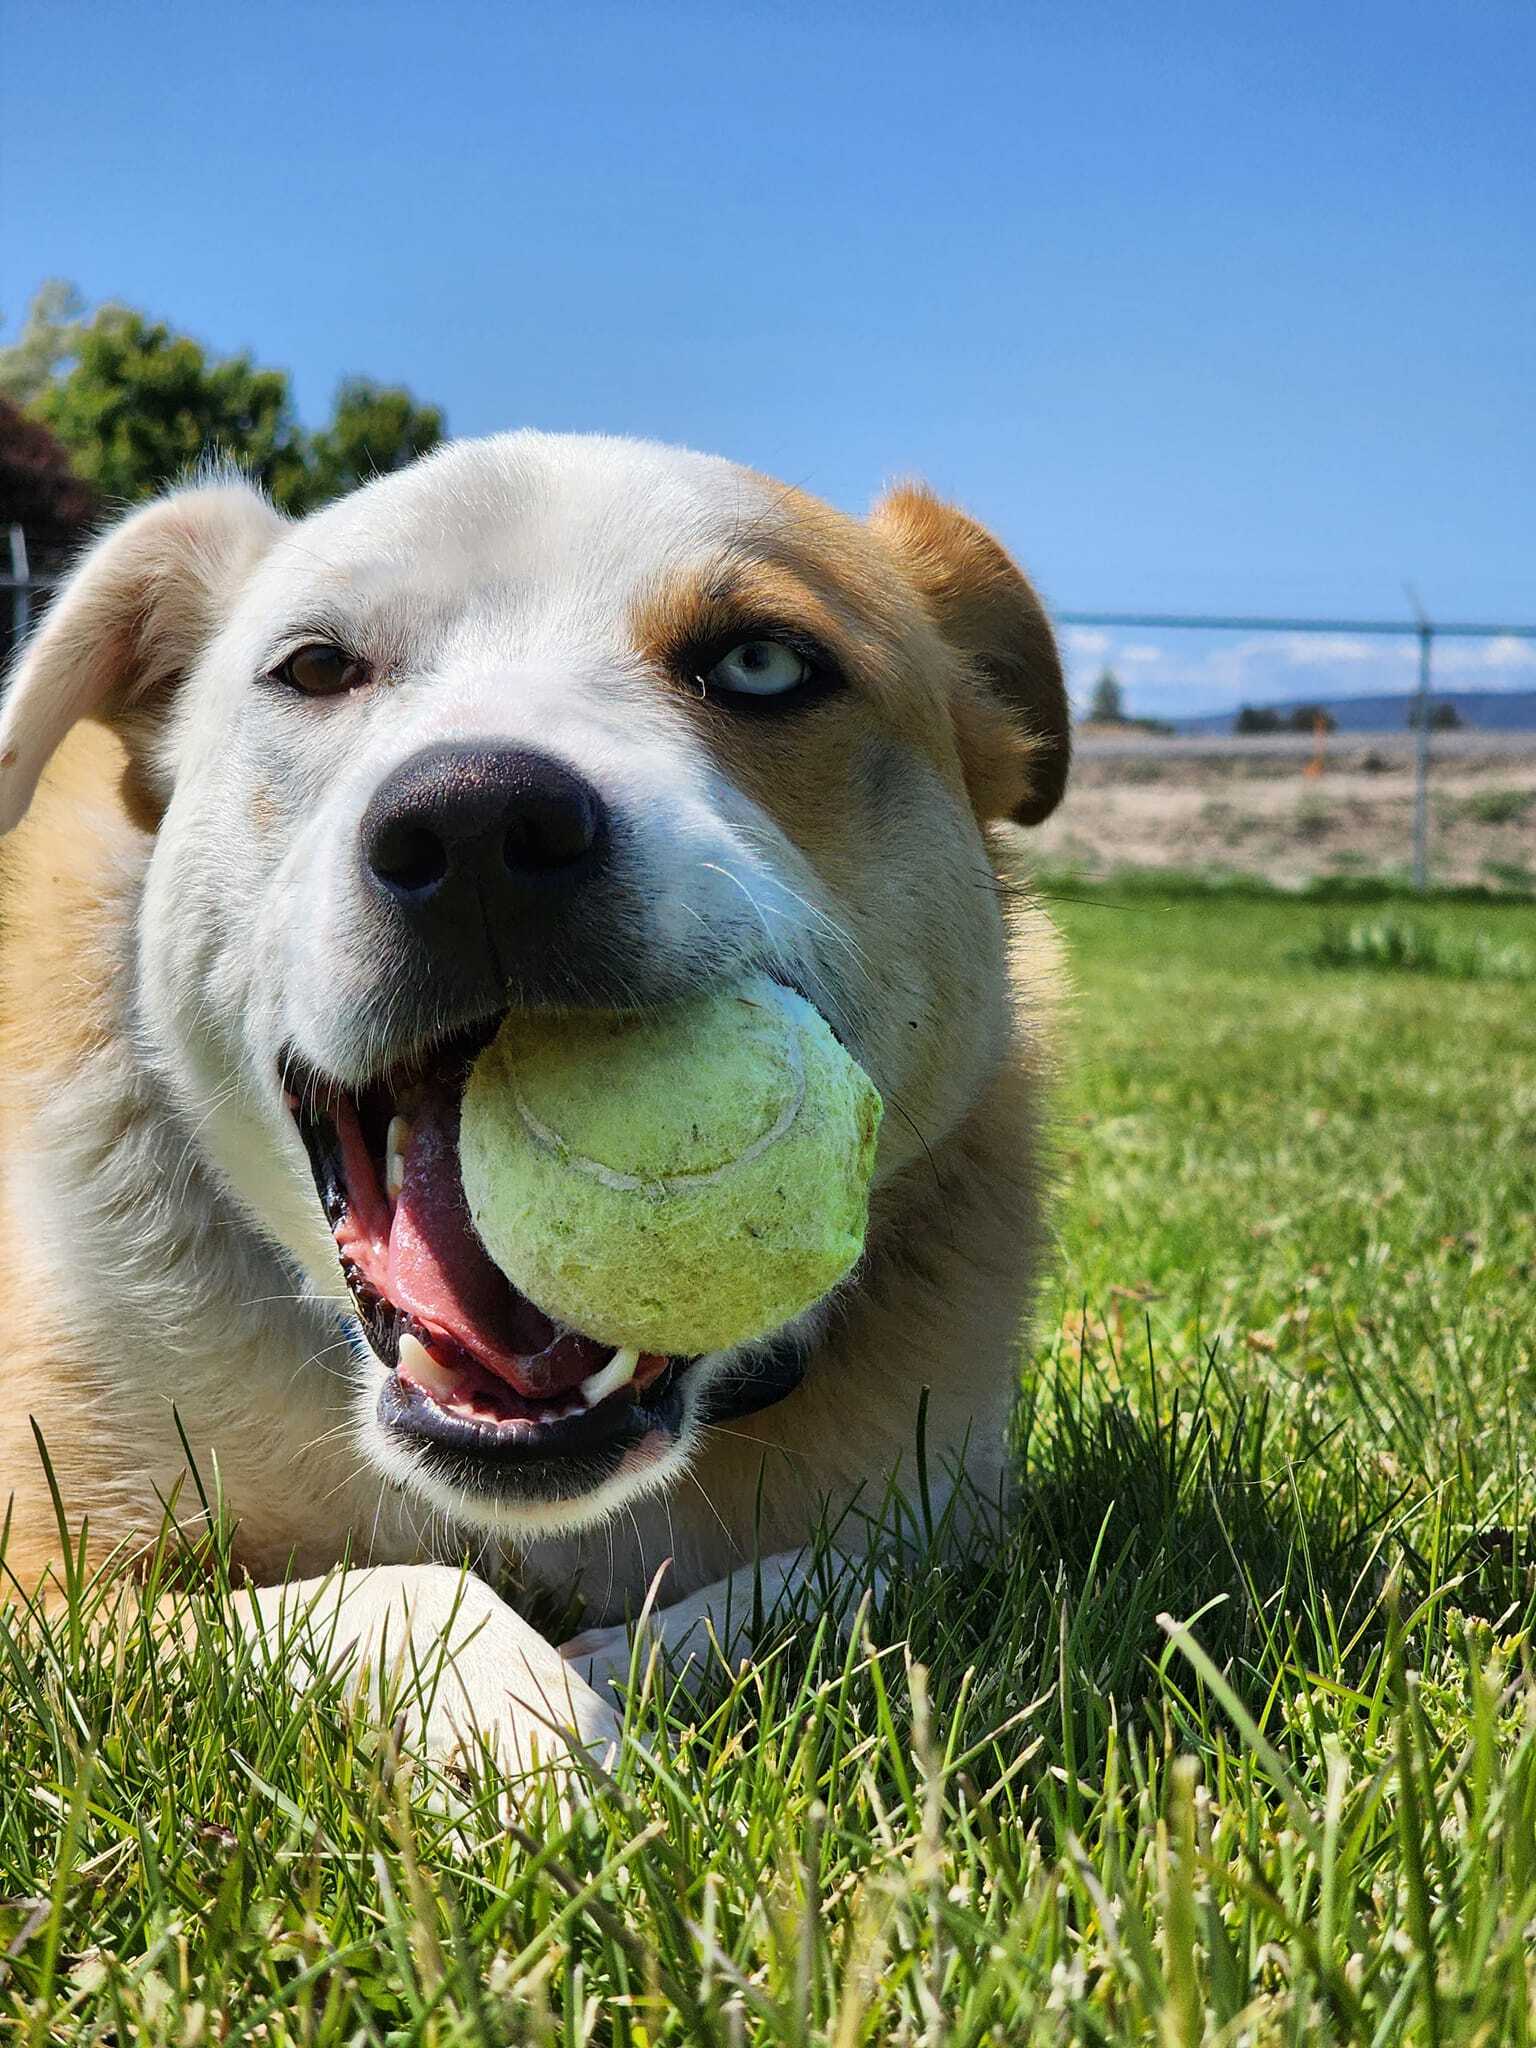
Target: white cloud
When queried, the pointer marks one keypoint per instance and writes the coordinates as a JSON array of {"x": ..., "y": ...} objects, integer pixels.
[
  {"x": 1312, "y": 650},
  {"x": 1487, "y": 659},
  {"x": 1086, "y": 640},
  {"x": 1182, "y": 673}
]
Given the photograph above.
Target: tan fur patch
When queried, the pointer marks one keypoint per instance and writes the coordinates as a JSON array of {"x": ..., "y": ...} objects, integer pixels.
[
  {"x": 62, "y": 953},
  {"x": 265, "y": 813},
  {"x": 945, "y": 637},
  {"x": 1014, "y": 721}
]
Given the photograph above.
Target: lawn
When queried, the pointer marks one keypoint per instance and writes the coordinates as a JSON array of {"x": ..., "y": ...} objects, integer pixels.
[{"x": 1229, "y": 1735}]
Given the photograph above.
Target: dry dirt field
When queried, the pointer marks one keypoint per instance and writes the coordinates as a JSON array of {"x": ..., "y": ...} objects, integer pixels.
[{"x": 1263, "y": 807}]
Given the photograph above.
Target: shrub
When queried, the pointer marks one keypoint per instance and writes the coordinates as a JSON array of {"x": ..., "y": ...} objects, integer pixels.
[
  {"x": 1496, "y": 806},
  {"x": 1314, "y": 818},
  {"x": 1515, "y": 875}
]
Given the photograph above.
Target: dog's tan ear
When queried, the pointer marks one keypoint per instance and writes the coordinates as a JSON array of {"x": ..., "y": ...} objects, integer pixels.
[
  {"x": 1012, "y": 718},
  {"x": 128, "y": 623}
]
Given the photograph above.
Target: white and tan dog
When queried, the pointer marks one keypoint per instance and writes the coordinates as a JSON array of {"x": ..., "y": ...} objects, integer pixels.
[{"x": 539, "y": 721}]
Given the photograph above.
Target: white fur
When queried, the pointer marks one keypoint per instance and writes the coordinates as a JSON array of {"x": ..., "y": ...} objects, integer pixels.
[
  {"x": 437, "y": 1645},
  {"x": 492, "y": 585}
]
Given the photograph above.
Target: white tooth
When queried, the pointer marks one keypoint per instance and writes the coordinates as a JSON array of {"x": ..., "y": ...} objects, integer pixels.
[
  {"x": 423, "y": 1370},
  {"x": 397, "y": 1142},
  {"x": 618, "y": 1372}
]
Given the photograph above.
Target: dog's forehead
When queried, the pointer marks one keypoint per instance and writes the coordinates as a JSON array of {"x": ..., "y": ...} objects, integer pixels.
[{"x": 572, "y": 525}]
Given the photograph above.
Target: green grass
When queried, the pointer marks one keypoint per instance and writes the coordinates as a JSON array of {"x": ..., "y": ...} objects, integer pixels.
[
  {"x": 1229, "y": 1735},
  {"x": 1494, "y": 806},
  {"x": 1516, "y": 886},
  {"x": 1409, "y": 945}
]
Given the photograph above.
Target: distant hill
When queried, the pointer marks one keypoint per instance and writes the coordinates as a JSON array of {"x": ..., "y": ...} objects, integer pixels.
[{"x": 1479, "y": 711}]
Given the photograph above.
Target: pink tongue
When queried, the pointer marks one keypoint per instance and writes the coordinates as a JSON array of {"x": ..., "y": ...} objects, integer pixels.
[{"x": 438, "y": 1270}]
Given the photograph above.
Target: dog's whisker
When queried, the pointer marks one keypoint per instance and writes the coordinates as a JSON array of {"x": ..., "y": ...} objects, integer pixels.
[
  {"x": 940, "y": 1186},
  {"x": 703, "y": 1493},
  {"x": 765, "y": 1443},
  {"x": 326, "y": 1436},
  {"x": 834, "y": 930},
  {"x": 301, "y": 1298},
  {"x": 318, "y": 1358},
  {"x": 714, "y": 867}
]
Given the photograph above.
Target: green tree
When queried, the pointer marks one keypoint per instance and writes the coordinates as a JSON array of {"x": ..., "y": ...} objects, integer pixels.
[
  {"x": 1107, "y": 704},
  {"x": 136, "y": 406},
  {"x": 49, "y": 336},
  {"x": 1443, "y": 717},
  {"x": 375, "y": 428},
  {"x": 1307, "y": 717},
  {"x": 1256, "y": 718},
  {"x": 140, "y": 406}
]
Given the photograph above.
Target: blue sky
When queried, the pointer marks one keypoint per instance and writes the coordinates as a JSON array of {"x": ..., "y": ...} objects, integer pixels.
[{"x": 1220, "y": 306}]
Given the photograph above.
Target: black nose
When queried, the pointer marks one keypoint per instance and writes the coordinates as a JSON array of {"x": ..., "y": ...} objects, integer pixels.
[{"x": 481, "y": 832}]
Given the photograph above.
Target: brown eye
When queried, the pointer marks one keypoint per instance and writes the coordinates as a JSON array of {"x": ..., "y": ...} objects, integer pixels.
[{"x": 321, "y": 670}]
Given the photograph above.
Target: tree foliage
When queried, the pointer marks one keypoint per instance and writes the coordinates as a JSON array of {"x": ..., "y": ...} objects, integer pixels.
[
  {"x": 1443, "y": 716},
  {"x": 374, "y": 429},
  {"x": 49, "y": 336},
  {"x": 39, "y": 491},
  {"x": 138, "y": 406},
  {"x": 1256, "y": 718},
  {"x": 141, "y": 406},
  {"x": 1308, "y": 717},
  {"x": 1107, "y": 704}
]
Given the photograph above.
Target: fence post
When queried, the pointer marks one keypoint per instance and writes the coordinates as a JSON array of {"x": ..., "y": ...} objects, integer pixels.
[
  {"x": 1421, "y": 760},
  {"x": 21, "y": 589}
]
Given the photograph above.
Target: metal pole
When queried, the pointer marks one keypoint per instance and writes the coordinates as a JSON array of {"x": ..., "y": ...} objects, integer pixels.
[
  {"x": 21, "y": 589},
  {"x": 1421, "y": 761}
]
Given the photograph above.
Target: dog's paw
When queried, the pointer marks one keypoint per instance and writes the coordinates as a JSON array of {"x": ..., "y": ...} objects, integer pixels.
[
  {"x": 438, "y": 1654},
  {"x": 601, "y": 1656}
]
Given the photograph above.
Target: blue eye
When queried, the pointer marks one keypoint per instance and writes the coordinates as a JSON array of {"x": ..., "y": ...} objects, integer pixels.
[{"x": 760, "y": 668}]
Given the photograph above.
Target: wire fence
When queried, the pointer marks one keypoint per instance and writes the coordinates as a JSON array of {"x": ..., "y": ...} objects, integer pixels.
[
  {"x": 27, "y": 586},
  {"x": 1421, "y": 628},
  {"x": 22, "y": 583}
]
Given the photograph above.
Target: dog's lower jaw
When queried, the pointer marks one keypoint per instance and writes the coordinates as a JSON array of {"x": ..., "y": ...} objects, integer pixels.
[
  {"x": 713, "y": 1392},
  {"x": 475, "y": 1505}
]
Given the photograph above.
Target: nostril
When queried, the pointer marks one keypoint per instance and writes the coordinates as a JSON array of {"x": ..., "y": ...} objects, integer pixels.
[
  {"x": 545, "y": 834},
  {"x": 460, "y": 826},
  {"x": 409, "y": 858}
]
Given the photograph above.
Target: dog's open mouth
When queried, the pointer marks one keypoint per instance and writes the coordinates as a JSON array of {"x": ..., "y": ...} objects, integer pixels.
[{"x": 478, "y": 1368}]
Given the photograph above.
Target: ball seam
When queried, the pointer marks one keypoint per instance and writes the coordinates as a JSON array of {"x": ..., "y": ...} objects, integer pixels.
[{"x": 681, "y": 1183}]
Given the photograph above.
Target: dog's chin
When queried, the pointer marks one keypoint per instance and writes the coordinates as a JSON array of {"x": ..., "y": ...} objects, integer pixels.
[
  {"x": 555, "y": 1478},
  {"x": 477, "y": 1400}
]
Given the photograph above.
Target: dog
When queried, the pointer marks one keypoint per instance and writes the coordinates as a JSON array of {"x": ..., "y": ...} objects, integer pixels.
[{"x": 301, "y": 810}]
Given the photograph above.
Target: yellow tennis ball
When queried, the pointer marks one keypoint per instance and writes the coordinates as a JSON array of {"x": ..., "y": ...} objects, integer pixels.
[{"x": 679, "y": 1180}]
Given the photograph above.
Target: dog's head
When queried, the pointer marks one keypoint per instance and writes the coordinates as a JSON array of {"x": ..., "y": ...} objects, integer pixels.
[{"x": 538, "y": 722}]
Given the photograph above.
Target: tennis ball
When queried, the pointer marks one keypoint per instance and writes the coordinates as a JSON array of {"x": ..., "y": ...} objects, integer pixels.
[{"x": 679, "y": 1180}]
